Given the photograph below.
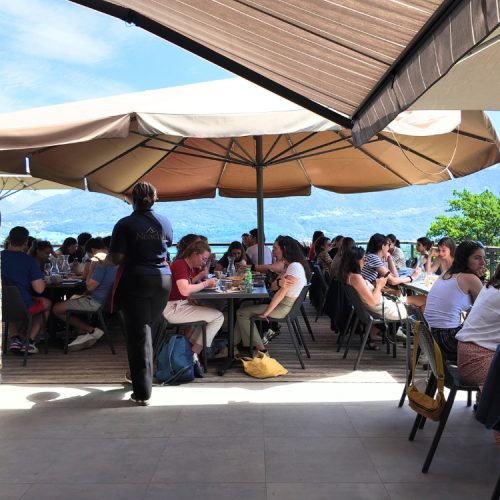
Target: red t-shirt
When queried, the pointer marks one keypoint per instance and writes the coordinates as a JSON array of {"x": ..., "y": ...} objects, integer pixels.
[{"x": 180, "y": 271}]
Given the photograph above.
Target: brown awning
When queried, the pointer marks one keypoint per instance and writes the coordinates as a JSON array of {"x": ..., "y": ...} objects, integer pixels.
[{"x": 357, "y": 63}]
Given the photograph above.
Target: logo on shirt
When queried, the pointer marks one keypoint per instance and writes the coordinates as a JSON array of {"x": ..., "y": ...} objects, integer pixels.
[{"x": 149, "y": 234}]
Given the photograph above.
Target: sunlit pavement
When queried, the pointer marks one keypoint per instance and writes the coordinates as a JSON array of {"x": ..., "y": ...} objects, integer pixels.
[{"x": 309, "y": 440}]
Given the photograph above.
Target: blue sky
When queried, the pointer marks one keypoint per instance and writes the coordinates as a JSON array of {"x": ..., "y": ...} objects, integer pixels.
[{"x": 54, "y": 51}]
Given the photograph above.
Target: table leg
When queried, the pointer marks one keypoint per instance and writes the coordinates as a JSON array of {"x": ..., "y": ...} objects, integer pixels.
[{"x": 230, "y": 325}]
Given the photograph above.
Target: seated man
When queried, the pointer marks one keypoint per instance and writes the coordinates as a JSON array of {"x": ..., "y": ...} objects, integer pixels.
[
  {"x": 98, "y": 286},
  {"x": 22, "y": 270},
  {"x": 253, "y": 250}
]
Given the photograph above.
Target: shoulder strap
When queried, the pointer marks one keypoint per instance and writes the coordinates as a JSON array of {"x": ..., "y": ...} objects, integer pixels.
[
  {"x": 437, "y": 354},
  {"x": 176, "y": 376}
]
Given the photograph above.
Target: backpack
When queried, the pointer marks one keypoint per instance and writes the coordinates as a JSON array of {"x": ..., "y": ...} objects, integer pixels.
[{"x": 175, "y": 362}]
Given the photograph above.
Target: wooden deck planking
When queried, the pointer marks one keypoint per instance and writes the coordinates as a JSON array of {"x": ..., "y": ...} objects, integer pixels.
[{"x": 97, "y": 365}]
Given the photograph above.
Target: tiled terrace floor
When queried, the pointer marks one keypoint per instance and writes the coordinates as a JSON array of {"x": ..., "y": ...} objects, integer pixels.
[{"x": 293, "y": 441}]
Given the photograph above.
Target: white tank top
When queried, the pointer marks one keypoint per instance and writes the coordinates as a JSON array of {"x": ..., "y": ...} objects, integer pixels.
[{"x": 445, "y": 303}]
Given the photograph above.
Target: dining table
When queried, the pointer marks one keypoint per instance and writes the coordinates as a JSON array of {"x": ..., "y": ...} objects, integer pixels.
[{"x": 230, "y": 296}]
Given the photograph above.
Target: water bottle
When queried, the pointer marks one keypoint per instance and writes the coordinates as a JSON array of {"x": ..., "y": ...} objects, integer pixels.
[
  {"x": 248, "y": 280},
  {"x": 231, "y": 270}
]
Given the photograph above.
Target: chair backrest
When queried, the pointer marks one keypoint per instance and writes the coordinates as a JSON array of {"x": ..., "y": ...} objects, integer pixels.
[
  {"x": 295, "y": 310},
  {"x": 426, "y": 340},
  {"x": 13, "y": 307},
  {"x": 320, "y": 273},
  {"x": 362, "y": 312}
]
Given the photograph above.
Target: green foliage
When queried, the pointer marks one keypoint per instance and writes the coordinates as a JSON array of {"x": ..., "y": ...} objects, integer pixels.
[{"x": 476, "y": 217}]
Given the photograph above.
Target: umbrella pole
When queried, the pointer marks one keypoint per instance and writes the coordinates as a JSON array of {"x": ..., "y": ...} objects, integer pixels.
[{"x": 259, "y": 169}]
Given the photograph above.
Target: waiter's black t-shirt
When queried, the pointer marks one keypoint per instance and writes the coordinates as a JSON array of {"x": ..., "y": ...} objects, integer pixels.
[{"x": 143, "y": 237}]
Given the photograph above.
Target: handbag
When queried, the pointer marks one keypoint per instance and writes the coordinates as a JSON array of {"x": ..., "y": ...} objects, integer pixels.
[
  {"x": 175, "y": 361},
  {"x": 420, "y": 402},
  {"x": 263, "y": 366}
]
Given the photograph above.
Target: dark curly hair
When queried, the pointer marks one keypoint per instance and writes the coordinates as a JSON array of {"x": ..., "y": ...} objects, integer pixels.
[{"x": 292, "y": 251}]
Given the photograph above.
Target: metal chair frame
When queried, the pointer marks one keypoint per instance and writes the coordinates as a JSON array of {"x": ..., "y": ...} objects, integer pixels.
[
  {"x": 14, "y": 310},
  {"x": 291, "y": 319}
]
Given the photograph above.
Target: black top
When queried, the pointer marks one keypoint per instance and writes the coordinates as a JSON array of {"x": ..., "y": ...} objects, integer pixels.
[{"x": 143, "y": 238}]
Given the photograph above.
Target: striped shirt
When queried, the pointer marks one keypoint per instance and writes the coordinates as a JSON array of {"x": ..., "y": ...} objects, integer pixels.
[{"x": 372, "y": 262}]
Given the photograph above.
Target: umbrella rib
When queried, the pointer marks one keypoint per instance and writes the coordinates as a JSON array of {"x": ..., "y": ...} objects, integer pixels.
[
  {"x": 224, "y": 164},
  {"x": 298, "y": 143},
  {"x": 313, "y": 151},
  {"x": 278, "y": 137},
  {"x": 383, "y": 165},
  {"x": 246, "y": 157},
  {"x": 211, "y": 155},
  {"x": 299, "y": 161},
  {"x": 193, "y": 155},
  {"x": 411, "y": 150},
  {"x": 121, "y": 155},
  {"x": 474, "y": 136}
]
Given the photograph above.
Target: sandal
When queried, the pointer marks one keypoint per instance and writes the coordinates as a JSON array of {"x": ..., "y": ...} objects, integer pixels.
[{"x": 371, "y": 346}]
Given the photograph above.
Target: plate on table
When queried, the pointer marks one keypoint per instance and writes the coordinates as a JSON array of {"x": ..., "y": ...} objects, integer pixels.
[{"x": 71, "y": 281}]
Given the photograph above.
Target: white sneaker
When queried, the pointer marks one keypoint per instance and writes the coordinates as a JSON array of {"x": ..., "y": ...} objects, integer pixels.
[
  {"x": 82, "y": 342},
  {"x": 400, "y": 334},
  {"x": 97, "y": 333}
]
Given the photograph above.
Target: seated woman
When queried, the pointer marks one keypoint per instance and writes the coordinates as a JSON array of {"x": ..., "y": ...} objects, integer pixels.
[
  {"x": 98, "y": 286},
  {"x": 41, "y": 250},
  {"x": 95, "y": 252},
  {"x": 322, "y": 246},
  {"x": 292, "y": 281},
  {"x": 423, "y": 247},
  {"x": 396, "y": 253},
  {"x": 480, "y": 335},
  {"x": 236, "y": 251},
  {"x": 311, "y": 255},
  {"x": 69, "y": 247},
  {"x": 379, "y": 263},
  {"x": 180, "y": 309},
  {"x": 446, "y": 252},
  {"x": 350, "y": 272},
  {"x": 347, "y": 244},
  {"x": 453, "y": 294}
]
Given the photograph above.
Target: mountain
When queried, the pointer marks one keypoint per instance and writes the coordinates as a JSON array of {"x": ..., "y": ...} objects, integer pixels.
[{"x": 406, "y": 212}]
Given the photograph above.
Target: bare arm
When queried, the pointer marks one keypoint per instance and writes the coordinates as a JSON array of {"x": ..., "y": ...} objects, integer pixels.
[
  {"x": 186, "y": 288},
  {"x": 369, "y": 297},
  {"x": 398, "y": 280},
  {"x": 286, "y": 283},
  {"x": 276, "y": 267},
  {"x": 91, "y": 284},
  {"x": 471, "y": 284},
  {"x": 38, "y": 285}
]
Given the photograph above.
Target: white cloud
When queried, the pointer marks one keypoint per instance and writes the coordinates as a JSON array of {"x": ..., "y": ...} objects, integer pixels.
[{"x": 55, "y": 30}]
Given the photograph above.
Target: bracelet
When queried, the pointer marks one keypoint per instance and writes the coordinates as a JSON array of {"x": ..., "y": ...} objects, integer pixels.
[{"x": 411, "y": 279}]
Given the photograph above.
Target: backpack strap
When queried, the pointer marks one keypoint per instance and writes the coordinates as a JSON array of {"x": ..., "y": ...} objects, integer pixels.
[{"x": 176, "y": 376}]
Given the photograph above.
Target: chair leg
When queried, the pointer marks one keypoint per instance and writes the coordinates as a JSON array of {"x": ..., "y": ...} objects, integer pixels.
[
  {"x": 419, "y": 419},
  {"x": 294, "y": 341},
  {"x": 469, "y": 398},
  {"x": 5, "y": 338},
  {"x": 106, "y": 331},
  {"x": 306, "y": 321},
  {"x": 204, "y": 350},
  {"x": 300, "y": 337},
  {"x": 343, "y": 333},
  {"x": 362, "y": 348},
  {"x": 66, "y": 332},
  {"x": 27, "y": 340},
  {"x": 496, "y": 492},
  {"x": 440, "y": 429},
  {"x": 348, "y": 343}
]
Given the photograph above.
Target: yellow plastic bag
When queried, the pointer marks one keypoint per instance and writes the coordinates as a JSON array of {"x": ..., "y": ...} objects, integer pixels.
[{"x": 263, "y": 366}]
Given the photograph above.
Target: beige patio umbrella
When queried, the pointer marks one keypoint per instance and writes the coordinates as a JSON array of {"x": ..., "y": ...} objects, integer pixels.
[
  {"x": 238, "y": 139},
  {"x": 11, "y": 184}
]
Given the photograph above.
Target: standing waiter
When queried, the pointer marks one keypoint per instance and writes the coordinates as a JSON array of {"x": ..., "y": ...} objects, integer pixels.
[{"x": 139, "y": 245}]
